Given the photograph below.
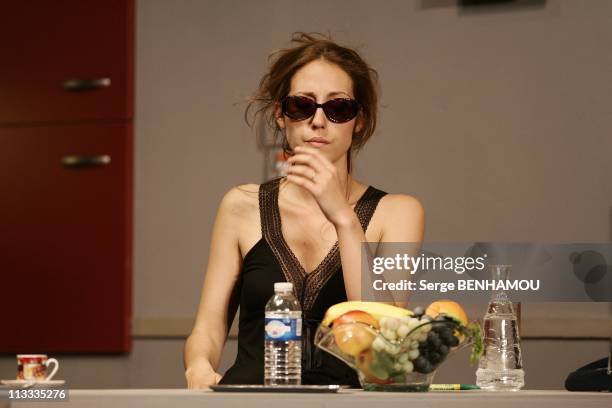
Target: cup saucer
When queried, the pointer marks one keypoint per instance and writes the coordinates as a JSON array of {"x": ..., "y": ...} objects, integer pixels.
[{"x": 33, "y": 383}]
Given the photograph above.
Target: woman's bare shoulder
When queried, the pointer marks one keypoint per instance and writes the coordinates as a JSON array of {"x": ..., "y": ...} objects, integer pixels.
[
  {"x": 398, "y": 204},
  {"x": 401, "y": 218},
  {"x": 241, "y": 200},
  {"x": 241, "y": 208}
]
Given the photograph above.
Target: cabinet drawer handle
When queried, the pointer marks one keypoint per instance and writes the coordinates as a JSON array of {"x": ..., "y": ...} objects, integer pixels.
[
  {"x": 85, "y": 161},
  {"x": 76, "y": 85}
]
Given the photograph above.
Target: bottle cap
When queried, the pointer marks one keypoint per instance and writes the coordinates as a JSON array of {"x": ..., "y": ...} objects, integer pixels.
[{"x": 283, "y": 287}]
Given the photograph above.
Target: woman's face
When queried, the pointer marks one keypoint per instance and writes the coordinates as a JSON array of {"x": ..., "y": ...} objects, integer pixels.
[{"x": 321, "y": 81}]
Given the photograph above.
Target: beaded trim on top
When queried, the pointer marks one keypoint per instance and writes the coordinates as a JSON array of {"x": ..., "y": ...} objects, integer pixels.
[{"x": 307, "y": 285}]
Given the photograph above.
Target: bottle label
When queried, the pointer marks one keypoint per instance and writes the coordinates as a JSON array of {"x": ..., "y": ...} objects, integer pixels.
[{"x": 283, "y": 328}]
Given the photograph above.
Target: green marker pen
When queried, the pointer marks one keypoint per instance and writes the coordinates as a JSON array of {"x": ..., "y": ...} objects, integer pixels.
[{"x": 453, "y": 387}]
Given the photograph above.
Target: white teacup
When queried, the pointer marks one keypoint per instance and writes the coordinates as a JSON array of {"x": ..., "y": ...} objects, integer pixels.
[{"x": 34, "y": 367}]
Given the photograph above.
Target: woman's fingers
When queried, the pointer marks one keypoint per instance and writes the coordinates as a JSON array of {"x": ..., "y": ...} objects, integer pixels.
[
  {"x": 201, "y": 377},
  {"x": 309, "y": 166},
  {"x": 313, "y": 171},
  {"x": 311, "y": 157},
  {"x": 306, "y": 160},
  {"x": 317, "y": 155},
  {"x": 302, "y": 170},
  {"x": 303, "y": 181},
  {"x": 302, "y": 175}
]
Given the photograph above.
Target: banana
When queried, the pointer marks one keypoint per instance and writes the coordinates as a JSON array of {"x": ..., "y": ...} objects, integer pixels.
[{"x": 376, "y": 309}]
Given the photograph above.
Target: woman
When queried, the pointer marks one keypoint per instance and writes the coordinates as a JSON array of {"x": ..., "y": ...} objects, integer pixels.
[{"x": 321, "y": 98}]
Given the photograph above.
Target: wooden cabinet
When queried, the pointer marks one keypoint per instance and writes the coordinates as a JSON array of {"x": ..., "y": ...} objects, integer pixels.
[
  {"x": 66, "y": 237},
  {"x": 66, "y": 159},
  {"x": 66, "y": 60}
]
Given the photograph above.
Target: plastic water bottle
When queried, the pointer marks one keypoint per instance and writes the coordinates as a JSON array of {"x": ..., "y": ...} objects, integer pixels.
[
  {"x": 283, "y": 337},
  {"x": 501, "y": 365}
]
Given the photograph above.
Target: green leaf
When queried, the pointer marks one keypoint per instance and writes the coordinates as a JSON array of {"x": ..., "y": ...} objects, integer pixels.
[{"x": 473, "y": 330}]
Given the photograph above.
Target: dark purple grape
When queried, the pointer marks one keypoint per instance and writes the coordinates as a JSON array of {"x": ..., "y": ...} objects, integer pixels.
[
  {"x": 443, "y": 350},
  {"x": 428, "y": 368},
  {"x": 435, "y": 357},
  {"x": 444, "y": 331},
  {"x": 420, "y": 364},
  {"x": 434, "y": 340},
  {"x": 453, "y": 342},
  {"x": 446, "y": 338}
]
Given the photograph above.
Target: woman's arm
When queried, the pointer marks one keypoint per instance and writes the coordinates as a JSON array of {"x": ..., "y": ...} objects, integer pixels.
[
  {"x": 204, "y": 346},
  {"x": 350, "y": 236},
  {"x": 403, "y": 220}
]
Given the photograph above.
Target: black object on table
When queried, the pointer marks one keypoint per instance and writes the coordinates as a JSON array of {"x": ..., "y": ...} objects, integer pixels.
[{"x": 592, "y": 377}]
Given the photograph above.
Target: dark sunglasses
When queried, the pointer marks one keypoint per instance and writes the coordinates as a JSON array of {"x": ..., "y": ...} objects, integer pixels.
[{"x": 337, "y": 110}]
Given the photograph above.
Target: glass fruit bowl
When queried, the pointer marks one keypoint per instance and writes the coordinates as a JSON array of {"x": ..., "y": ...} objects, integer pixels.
[{"x": 398, "y": 354}]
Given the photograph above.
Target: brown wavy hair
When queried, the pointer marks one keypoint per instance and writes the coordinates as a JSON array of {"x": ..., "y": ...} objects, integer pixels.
[{"x": 284, "y": 63}]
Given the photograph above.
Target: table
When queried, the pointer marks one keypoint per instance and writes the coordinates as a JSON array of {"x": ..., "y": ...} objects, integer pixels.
[{"x": 180, "y": 398}]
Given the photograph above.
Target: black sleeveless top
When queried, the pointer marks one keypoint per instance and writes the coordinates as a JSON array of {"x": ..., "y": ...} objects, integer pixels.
[{"x": 271, "y": 260}]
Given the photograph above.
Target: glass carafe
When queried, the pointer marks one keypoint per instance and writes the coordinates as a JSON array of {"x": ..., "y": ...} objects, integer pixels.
[{"x": 500, "y": 367}]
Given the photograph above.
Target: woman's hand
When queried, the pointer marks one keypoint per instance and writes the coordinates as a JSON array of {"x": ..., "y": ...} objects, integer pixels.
[
  {"x": 313, "y": 171},
  {"x": 201, "y": 375}
]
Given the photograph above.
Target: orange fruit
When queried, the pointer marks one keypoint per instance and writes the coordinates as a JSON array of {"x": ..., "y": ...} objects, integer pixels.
[{"x": 449, "y": 308}]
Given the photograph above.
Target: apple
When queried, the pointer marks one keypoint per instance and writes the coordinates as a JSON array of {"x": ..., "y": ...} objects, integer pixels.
[
  {"x": 355, "y": 316},
  {"x": 353, "y": 338},
  {"x": 449, "y": 308}
]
